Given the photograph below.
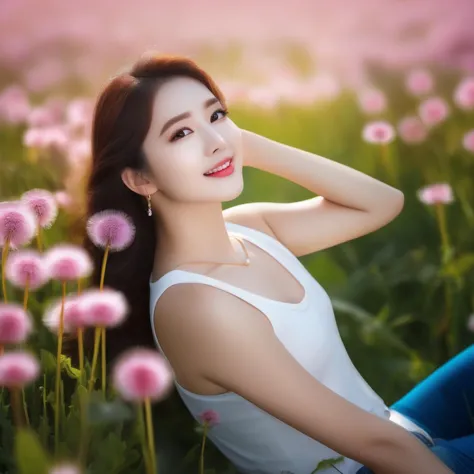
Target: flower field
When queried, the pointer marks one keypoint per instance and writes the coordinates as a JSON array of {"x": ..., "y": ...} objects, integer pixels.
[{"x": 403, "y": 296}]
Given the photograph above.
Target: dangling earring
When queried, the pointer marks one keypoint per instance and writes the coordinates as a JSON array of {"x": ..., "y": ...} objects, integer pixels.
[{"x": 149, "y": 205}]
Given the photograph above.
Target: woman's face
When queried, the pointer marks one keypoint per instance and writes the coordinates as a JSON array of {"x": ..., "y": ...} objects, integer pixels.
[{"x": 189, "y": 135}]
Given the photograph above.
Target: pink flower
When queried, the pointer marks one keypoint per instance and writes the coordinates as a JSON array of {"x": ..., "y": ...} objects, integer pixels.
[
  {"x": 412, "y": 130},
  {"x": 79, "y": 113},
  {"x": 73, "y": 317},
  {"x": 433, "y": 111},
  {"x": 14, "y": 105},
  {"x": 372, "y": 101},
  {"x": 209, "y": 417},
  {"x": 18, "y": 369},
  {"x": 440, "y": 193},
  {"x": 464, "y": 94},
  {"x": 54, "y": 137},
  {"x": 43, "y": 204},
  {"x": 15, "y": 324},
  {"x": 103, "y": 308},
  {"x": 65, "y": 469},
  {"x": 63, "y": 199},
  {"x": 17, "y": 224},
  {"x": 468, "y": 141},
  {"x": 112, "y": 228},
  {"x": 419, "y": 82},
  {"x": 26, "y": 267},
  {"x": 380, "y": 132},
  {"x": 68, "y": 262},
  {"x": 42, "y": 117},
  {"x": 141, "y": 374}
]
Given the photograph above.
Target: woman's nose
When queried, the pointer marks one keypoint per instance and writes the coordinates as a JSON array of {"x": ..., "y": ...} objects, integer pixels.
[{"x": 214, "y": 141}]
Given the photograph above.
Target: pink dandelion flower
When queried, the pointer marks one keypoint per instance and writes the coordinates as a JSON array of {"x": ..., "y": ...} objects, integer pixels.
[
  {"x": 68, "y": 262},
  {"x": 103, "y": 308},
  {"x": 439, "y": 193},
  {"x": 468, "y": 141},
  {"x": 209, "y": 417},
  {"x": 379, "y": 132},
  {"x": 433, "y": 111},
  {"x": 372, "y": 101},
  {"x": 111, "y": 228},
  {"x": 73, "y": 317},
  {"x": 464, "y": 94},
  {"x": 18, "y": 369},
  {"x": 17, "y": 224},
  {"x": 419, "y": 82},
  {"x": 65, "y": 469},
  {"x": 14, "y": 105},
  {"x": 26, "y": 267},
  {"x": 412, "y": 130},
  {"x": 15, "y": 324},
  {"x": 43, "y": 204},
  {"x": 141, "y": 374}
]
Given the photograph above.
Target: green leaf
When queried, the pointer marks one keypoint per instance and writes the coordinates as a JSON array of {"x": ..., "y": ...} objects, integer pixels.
[
  {"x": 108, "y": 412},
  {"x": 71, "y": 371},
  {"x": 48, "y": 361},
  {"x": 110, "y": 455},
  {"x": 370, "y": 324},
  {"x": 459, "y": 266},
  {"x": 30, "y": 456},
  {"x": 327, "y": 463}
]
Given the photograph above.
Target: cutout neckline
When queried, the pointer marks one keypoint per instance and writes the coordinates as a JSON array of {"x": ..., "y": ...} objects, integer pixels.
[{"x": 296, "y": 306}]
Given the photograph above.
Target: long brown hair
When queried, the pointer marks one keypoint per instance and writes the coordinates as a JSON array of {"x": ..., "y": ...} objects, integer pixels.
[{"x": 121, "y": 121}]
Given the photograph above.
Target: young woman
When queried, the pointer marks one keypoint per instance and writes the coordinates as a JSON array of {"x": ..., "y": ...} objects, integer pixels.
[{"x": 247, "y": 330}]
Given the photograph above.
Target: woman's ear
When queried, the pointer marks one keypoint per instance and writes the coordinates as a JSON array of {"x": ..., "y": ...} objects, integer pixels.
[{"x": 137, "y": 182}]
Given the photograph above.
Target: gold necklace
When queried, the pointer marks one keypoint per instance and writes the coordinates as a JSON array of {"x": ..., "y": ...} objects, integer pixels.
[{"x": 246, "y": 263}]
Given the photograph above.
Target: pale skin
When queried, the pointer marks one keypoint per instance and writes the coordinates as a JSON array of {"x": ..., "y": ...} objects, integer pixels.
[{"x": 196, "y": 322}]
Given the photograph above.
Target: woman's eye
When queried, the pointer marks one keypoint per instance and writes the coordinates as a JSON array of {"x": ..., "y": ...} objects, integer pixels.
[
  {"x": 179, "y": 134},
  {"x": 219, "y": 114}
]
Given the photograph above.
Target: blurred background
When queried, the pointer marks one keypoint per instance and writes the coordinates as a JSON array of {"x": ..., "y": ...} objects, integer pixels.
[{"x": 384, "y": 86}]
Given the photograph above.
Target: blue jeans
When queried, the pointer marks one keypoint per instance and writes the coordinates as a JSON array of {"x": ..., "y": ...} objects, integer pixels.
[{"x": 443, "y": 405}]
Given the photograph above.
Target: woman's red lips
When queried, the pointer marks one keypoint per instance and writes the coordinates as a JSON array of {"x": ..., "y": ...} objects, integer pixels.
[{"x": 220, "y": 164}]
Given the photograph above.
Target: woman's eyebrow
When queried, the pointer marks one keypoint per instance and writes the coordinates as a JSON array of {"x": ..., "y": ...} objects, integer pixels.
[{"x": 177, "y": 118}]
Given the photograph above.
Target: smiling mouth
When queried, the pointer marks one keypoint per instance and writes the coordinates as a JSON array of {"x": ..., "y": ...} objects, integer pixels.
[{"x": 220, "y": 168}]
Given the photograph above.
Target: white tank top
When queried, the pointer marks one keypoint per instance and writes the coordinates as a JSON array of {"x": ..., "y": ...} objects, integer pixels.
[{"x": 253, "y": 440}]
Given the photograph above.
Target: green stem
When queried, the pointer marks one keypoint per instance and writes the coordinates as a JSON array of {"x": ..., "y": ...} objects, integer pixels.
[
  {"x": 143, "y": 437},
  {"x": 15, "y": 400},
  {"x": 80, "y": 346},
  {"x": 38, "y": 239},
  {"x": 443, "y": 230},
  {"x": 445, "y": 257},
  {"x": 26, "y": 294},
  {"x": 84, "y": 438},
  {"x": 150, "y": 436},
  {"x": 25, "y": 407},
  {"x": 104, "y": 264},
  {"x": 201, "y": 457},
  {"x": 58, "y": 368},
  {"x": 104, "y": 361},
  {"x": 95, "y": 356},
  {"x": 388, "y": 163},
  {"x": 4, "y": 261}
]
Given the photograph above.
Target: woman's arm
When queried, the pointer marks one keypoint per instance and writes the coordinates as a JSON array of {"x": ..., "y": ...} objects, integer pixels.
[
  {"x": 350, "y": 203},
  {"x": 237, "y": 349}
]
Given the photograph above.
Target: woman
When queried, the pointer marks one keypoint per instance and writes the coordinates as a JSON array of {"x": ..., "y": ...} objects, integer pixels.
[{"x": 247, "y": 330}]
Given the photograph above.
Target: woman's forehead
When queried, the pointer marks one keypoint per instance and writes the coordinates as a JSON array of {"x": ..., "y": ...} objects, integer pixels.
[{"x": 179, "y": 95}]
